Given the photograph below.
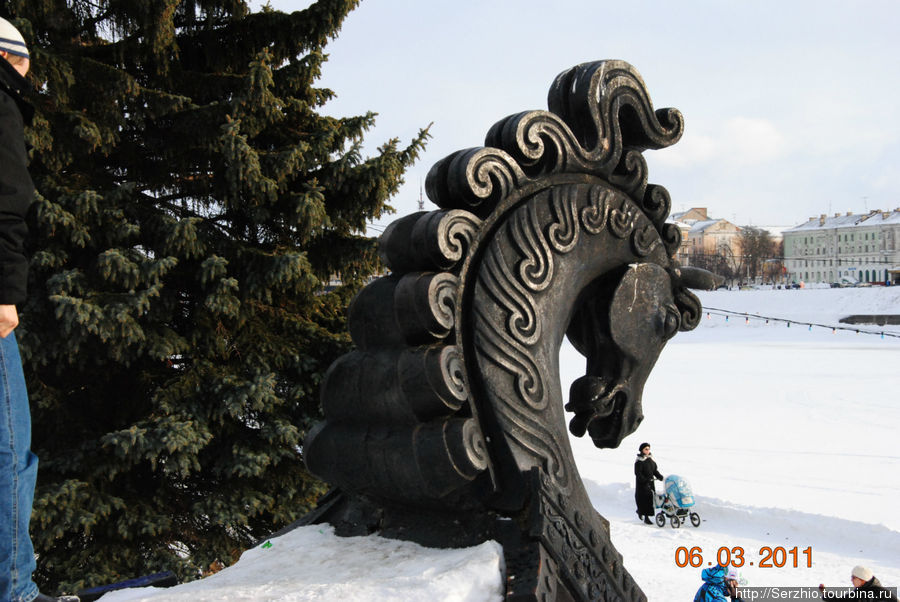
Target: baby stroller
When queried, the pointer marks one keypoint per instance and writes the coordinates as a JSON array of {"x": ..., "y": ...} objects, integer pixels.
[{"x": 674, "y": 504}]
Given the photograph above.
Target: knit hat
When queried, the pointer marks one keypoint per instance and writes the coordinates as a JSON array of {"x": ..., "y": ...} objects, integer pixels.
[
  {"x": 862, "y": 572},
  {"x": 642, "y": 446},
  {"x": 11, "y": 40}
]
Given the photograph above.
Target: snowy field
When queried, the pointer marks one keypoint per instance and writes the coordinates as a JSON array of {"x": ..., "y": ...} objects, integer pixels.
[{"x": 789, "y": 436}]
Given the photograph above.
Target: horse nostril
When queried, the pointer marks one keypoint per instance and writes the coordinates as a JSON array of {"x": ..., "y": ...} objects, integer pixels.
[{"x": 671, "y": 322}]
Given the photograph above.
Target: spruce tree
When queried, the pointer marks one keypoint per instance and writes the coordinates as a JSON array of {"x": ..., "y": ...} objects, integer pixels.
[{"x": 193, "y": 202}]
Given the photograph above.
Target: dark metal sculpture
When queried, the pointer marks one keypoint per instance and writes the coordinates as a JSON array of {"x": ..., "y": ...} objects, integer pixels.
[{"x": 447, "y": 425}]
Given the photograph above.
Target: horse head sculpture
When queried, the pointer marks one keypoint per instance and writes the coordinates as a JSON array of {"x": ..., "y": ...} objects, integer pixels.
[{"x": 447, "y": 424}]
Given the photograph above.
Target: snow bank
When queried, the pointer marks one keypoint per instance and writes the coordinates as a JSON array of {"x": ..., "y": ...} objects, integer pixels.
[{"x": 311, "y": 563}]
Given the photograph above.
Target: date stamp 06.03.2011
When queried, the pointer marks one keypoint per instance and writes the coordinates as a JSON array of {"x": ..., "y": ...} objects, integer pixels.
[{"x": 765, "y": 557}]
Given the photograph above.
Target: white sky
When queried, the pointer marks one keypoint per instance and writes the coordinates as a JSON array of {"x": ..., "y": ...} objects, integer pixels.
[{"x": 790, "y": 107}]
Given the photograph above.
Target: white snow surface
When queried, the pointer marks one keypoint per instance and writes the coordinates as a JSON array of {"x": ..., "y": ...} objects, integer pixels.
[{"x": 787, "y": 435}]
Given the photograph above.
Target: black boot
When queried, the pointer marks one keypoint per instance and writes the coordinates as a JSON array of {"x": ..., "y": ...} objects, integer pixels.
[
  {"x": 45, "y": 598},
  {"x": 647, "y": 520}
]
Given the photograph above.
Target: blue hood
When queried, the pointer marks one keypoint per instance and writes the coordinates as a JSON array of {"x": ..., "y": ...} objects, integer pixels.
[{"x": 715, "y": 575}]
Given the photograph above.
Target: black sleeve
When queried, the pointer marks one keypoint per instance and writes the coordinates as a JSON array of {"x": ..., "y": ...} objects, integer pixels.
[
  {"x": 16, "y": 195},
  {"x": 644, "y": 470}
]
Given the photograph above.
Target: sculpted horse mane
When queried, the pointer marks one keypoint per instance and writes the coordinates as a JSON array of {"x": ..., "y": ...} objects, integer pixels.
[{"x": 447, "y": 424}]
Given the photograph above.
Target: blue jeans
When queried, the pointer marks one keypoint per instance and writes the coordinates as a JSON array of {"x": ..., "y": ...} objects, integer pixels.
[{"x": 18, "y": 473}]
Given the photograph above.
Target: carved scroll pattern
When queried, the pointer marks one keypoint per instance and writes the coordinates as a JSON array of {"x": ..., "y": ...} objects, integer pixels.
[
  {"x": 644, "y": 240},
  {"x": 428, "y": 241},
  {"x": 584, "y": 556},
  {"x": 621, "y": 220},
  {"x": 540, "y": 234},
  {"x": 563, "y": 232},
  {"x": 454, "y": 231},
  {"x": 600, "y": 119},
  {"x": 691, "y": 309},
  {"x": 536, "y": 268},
  {"x": 671, "y": 237},
  {"x": 517, "y": 302},
  {"x": 594, "y": 216},
  {"x": 592, "y": 99}
]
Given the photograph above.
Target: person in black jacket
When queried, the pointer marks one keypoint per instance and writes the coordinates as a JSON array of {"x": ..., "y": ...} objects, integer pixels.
[
  {"x": 866, "y": 586},
  {"x": 18, "y": 464},
  {"x": 644, "y": 490},
  {"x": 16, "y": 189}
]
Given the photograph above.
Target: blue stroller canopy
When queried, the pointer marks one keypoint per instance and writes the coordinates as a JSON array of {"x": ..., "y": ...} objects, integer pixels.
[{"x": 679, "y": 491}]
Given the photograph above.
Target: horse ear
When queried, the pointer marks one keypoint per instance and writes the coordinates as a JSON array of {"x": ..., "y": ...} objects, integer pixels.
[
  {"x": 697, "y": 278},
  {"x": 642, "y": 314}
]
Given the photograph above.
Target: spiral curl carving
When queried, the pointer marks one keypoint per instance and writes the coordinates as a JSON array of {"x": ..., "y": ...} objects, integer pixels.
[
  {"x": 428, "y": 241},
  {"x": 442, "y": 301},
  {"x": 538, "y": 140},
  {"x": 593, "y": 217},
  {"x": 453, "y": 371},
  {"x": 468, "y": 450},
  {"x": 536, "y": 436},
  {"x": 657, "y": 203},
  {"x": 671, "y": 238},
  {"x": 621, "y": 220},
  {"x": 607, "y": 104},
  {"x": 600, "y": 120},
  {"x": 475, "y": 179},
  {"x": 644, "y": 240},
  {"x": 563, "y": 231},
  {"x": 536, "y": 267},
  {"x": 513, "y": 358},
  {"x": 631, "y": 174},
  {"x": 517, "y": 302},
  {"x": 450, "y": 234},
  {"x": 690, "y": 307},
  {"x": 425, "y": 305}
]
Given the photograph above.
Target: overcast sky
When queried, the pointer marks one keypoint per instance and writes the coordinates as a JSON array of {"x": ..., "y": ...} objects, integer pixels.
[{"x": 790, "y": 106}]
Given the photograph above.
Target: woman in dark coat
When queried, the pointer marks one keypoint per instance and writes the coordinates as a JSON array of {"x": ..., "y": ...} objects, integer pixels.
[{"x": 644, "y": 491}]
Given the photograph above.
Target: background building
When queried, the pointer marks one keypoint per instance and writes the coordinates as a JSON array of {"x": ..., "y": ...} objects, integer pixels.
[
  {"x": 845, "y": 248},
  {"x": 704, "y": 238}
]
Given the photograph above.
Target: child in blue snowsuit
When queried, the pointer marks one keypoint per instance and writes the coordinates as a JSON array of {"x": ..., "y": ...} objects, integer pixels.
[{"x": 715, "y": 586}]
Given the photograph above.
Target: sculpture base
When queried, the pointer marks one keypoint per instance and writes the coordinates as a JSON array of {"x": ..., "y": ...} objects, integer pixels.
[{"x": 556, "y": 549}]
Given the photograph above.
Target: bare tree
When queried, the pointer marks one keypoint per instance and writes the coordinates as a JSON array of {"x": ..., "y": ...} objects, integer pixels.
[
  {"x": 756, "y": 247},
  {"x": 773, "y": 269}
]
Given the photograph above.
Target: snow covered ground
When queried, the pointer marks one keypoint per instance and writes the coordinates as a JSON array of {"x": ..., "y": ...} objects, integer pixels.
[{"x": 789, "y": 436}]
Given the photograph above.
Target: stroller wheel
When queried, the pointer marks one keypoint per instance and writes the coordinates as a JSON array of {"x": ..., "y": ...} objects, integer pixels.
[
  {"x": 676, "y": 522},
  {"x": 695, "y": 519},
  {"x": 661, "y": 520}
]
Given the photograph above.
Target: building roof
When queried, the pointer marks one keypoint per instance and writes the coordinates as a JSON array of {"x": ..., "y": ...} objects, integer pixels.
[
  {"x": 704, "y": 225},
  {"x": 774, "y": 231},
  {"x": 873, "y": 218},
  {"x": 690, "y": 216},
  {"x": 701, "y": 226}
]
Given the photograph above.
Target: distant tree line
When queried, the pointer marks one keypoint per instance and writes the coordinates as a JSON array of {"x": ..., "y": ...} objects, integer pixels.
[{"x": 759, "y": 258}]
